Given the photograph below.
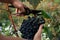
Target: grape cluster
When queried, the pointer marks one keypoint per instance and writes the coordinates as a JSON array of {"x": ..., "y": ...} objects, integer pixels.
[{"x": 30, "y": 26}]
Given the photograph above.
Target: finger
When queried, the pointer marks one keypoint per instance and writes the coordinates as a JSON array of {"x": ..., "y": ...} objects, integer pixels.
[
  {"x": 41, "y": 25},
  {"x": 20, "y": 11}
]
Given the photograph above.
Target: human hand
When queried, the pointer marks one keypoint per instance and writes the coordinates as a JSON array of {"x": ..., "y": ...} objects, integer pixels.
[
  {"x": 38, "y": 34},
  {"x": 19, "y": 5}
]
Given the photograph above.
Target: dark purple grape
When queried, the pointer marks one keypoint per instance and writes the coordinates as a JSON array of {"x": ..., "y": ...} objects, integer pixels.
[{"x": 30, "y": 26}]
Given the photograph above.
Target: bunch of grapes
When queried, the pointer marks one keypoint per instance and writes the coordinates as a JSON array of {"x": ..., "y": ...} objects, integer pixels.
[{"x": 30, "y": 26}]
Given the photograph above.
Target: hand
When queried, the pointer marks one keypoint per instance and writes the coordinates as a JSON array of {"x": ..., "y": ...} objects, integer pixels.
[
  {"x": 19, "y": 5},
  {"x": 38, "y": 34}
]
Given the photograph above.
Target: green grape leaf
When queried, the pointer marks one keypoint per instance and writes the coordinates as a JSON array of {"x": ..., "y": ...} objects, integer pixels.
[{"x": 46, "y": 15}]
